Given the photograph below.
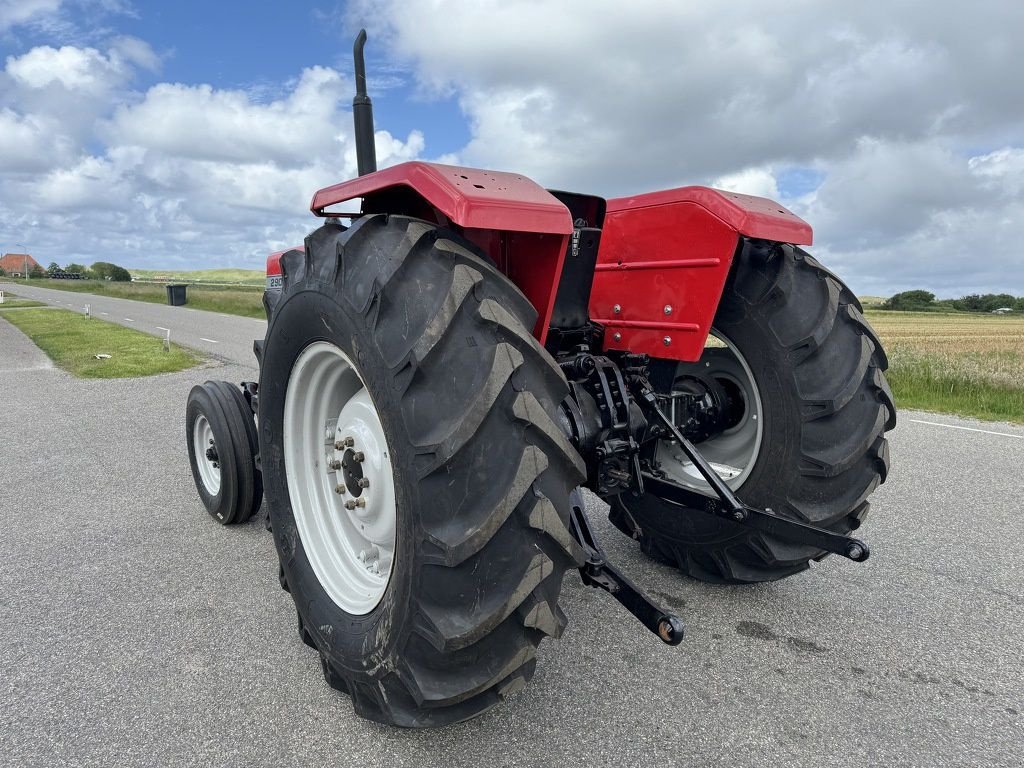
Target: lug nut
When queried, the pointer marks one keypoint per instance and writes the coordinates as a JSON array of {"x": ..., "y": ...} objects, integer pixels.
[
  {"x": 358, "y": 456},
  {"x": 363, "y": 482},
  {"x": 353, "y": 503},
  {"x": 334, "y": 465},
  {"x": 345, "y": 442},
  {"x": 369, "y": 555},
  {"x": 340, "y": 490}
]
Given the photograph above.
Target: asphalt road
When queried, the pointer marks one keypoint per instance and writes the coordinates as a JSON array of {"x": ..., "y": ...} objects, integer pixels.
[
  {"x": 225, "y": 337},
  {"x": 135, "y": 631}
]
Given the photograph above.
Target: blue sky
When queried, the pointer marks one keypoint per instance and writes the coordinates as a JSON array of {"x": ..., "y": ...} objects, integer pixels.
[{"x": 187, "y": 134}]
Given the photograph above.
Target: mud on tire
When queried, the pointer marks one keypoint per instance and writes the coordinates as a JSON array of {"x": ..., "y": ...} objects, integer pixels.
[
  {"x": 467, "y": 400},
  {"x": 819, "y": 368}
]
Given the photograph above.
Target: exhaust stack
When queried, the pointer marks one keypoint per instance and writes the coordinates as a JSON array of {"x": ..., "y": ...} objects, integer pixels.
[{"x": 362, "y": 113}]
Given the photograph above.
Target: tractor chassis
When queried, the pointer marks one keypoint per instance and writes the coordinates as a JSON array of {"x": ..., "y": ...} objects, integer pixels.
[
  {"x": 613, "y": 411},
  {"x": 612, "y": 414}
]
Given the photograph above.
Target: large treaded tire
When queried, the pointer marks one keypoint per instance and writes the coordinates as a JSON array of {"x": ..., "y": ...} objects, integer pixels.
[
  {"x": 819, "y": 367},
  {"x": 468, "y": 401}
]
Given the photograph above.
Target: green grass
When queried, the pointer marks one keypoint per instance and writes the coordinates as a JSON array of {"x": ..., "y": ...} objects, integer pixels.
[
  {"x": 964, "y": 364},
  {"x": 255, "y": 277},
  {"x": 72, "y": 341},
  {"x": 10, "y": 302},
  {"x": 232, "y": 300}
]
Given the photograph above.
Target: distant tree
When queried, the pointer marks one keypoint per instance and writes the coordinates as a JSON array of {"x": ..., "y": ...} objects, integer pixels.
[
  {"x": 104, "y": 270},
  {"x": 3, "y": 272},
  {"x": 910, "y": 301},
  {"x": 75, "y": 269},
  {"x": 53, "y": 269},
  {"x": 37, "y": 272},
  {"x": 986, "y": 302}
]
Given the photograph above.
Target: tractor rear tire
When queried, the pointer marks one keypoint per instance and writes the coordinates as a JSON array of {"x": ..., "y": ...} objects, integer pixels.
[
  {"x": 437, "y": 343},
  {"x": 825, "y": 405},
  {"x": 222, "y": 449}
]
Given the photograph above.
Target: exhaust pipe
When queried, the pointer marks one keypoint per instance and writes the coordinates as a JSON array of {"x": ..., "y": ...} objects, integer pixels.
[{"x": 362, "y": 113}]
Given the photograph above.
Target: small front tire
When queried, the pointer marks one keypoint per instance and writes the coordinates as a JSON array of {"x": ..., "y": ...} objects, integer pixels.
[{"x": 222, "y": 446}]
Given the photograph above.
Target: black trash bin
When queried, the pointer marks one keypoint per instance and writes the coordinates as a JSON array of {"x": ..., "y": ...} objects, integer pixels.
[{"x": 176, "y": 295}]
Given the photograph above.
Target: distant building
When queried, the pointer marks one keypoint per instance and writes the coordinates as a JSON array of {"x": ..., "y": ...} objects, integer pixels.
[
  {"x": 17, "y": 264},
  {"x": 1001, "y": 311}
]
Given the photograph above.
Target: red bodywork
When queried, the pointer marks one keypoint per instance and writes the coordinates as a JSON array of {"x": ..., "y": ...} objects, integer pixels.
[
  {"x": 515, "y": 221},
  {"x": 663, "y": 258},
  {"x": 663, "y": 261}
]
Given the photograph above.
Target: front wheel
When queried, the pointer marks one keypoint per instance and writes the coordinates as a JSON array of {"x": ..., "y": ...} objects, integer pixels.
[{"x": 805, "y": 437}]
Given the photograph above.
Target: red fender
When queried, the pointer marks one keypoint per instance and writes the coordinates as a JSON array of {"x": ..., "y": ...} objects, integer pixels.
[
  {"x": 663, "y": 261},
  {"x": 518, "y": 223}
]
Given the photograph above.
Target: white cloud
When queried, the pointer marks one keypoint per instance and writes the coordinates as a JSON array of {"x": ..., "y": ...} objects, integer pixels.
[
  {"x": 750, "y": 181},
  {"x": 905, "y": 111},
  {"x": 883, "y": 99},
  {"x": 14, "y": 12},
  {"x": 184, "y": 175}
]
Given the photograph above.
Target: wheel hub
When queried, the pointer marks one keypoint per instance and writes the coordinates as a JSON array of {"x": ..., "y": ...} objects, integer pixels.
[
  {"x": 207, "y": 460},
  {"x": 731, "y": 439},
  {"x": 340, "y": 479}
]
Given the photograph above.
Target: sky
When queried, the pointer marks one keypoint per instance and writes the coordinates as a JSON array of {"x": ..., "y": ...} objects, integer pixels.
[{"x": 192, "y": 135}]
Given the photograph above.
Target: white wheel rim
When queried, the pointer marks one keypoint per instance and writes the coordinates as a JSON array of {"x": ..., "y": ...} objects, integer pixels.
[
  {"x": 202, "y": 441},
  {"x": 350, "y": 547},
  {"x": 733, "y": 453}
]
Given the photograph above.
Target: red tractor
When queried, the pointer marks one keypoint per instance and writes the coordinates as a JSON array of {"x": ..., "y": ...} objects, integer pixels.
[{"x": 440, "y": 379}]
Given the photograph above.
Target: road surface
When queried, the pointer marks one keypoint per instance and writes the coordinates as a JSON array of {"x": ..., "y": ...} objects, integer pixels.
[{"x": 135, "y": 631}]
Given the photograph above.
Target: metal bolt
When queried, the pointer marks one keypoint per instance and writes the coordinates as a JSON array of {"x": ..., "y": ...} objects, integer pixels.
[
  {"x": 363, "y": 482},
  {"x": 369, "y": 555},
  {"x": 667, "y": 341},
  {"x": 353, "y": 503},
  {"x": 668, "y": 309},
  {"x": 334, "y": 465},
  {"x": 854, "y": 552},
  {"x": 374, "y": 568},
  {"x": 340, "y": 490},
  {"x": 211, "y": 441},
  {"x": 345, "y": 442},
  {"x": 617, "y": 336},
  {"x": 616, "y": 309},
  {"x": 738, "y": 514},
  {"x": 358, "y": 456}
]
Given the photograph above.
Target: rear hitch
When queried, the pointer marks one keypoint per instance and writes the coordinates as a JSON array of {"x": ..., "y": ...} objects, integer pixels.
[
  {"x": 730, "y": 507},
  {"x": 598, "y": 572}
]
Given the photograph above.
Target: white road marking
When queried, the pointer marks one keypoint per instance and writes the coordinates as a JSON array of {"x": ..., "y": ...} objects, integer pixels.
[
  {"x": 104, "y": 313},
  {"x": 212, "y": 341},
  {"x": 161, "y": 328},
  {"x": 128, "y": 319},
  {"x": 967, "y": 429}
]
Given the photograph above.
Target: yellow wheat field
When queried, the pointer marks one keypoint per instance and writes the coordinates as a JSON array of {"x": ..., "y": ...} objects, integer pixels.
[{"x": 956, "y": 363}]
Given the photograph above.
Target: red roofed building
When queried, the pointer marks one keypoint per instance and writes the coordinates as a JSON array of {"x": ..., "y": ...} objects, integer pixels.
[{"x": 17, "y": 264}]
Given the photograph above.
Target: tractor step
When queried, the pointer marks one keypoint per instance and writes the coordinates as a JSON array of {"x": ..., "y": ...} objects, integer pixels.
[{"x": 598, "y": 572}]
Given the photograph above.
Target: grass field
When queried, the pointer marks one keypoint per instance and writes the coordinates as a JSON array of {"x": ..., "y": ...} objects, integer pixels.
[
  {"x": 244, "y": 276},
  {"x": 72, "y": 341},
  {"x": 966, "y": 364},
  {"x": 11, "y": 301},
  {"x": 233, "y": 300}
]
